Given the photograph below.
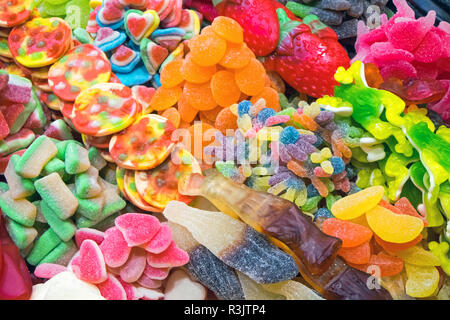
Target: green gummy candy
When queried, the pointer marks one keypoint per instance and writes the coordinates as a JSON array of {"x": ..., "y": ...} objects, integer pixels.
[
  {"x": 106, "y": 223},
  {"x": 41, "y": 151},
  {"x": 61, "y": 146},
  {"x": 57, "y": 195},
  {"x": 47, "y": 9},
  {"x": 89, "y": 208},
  {"x": 61, "y": 254},
  {"x": 54, "y": 165},
  {"x": 311, "y": 203},
  {"x": 22, "y": 236},
  {"x": 21, "y": 211},
  {"x": 65, "y": 229},
  {"x": 109, "y": 175},
  {"x": 82, "y": 35},
  {"x": 77, "y": 13},
  {"x": 76, "y": 159},
  {"x": 19, "y": 187},
  {"x": 48, "y": 241},
  {"x": 86, "y": 184},
  {"x": 23, "y": 116},
  {"x": 96, "y": 159}
]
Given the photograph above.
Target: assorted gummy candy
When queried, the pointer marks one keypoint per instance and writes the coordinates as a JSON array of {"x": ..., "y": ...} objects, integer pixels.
[{"x": 234, "y": 150}]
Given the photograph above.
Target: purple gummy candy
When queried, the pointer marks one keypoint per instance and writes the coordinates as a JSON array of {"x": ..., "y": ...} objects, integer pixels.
[{"x": 443, "y": 106}]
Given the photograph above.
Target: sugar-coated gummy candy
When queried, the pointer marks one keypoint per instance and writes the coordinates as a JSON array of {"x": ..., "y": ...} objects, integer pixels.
[
  {"x": 422, "y": 281},
  {"x": 88, "y": 233},
  {"x": 171, "y": 257},
  {"x": 160, "y": 241},
  {"x": 224, "y": 89},
  {"x": 18, "y": 186},
  {"x": 194, "y": 73},
  {"x": 419, "y": 257},
  {"x": 228, "y": 29},
  {"x": 114, "y": 248},
  {"x": 350, "y": 233},
  {"x": 21, "y": 211},
  {"x": 357, "y": 255},
  {"x": 393, "y": 227},
  {"x": 89, "y": 264},
  {"x": 48, "y": 270},
  {"x": 352, "y": 206},
  {"x": 57, "y": 195},
  {"x": 134, "y": 267},
  {"x": 250, "y": 79},
  {"x": 179, "y": 286},
  {"x": 36, "y": 157},
  {"x": 65, "y": 229},
  {"x": 48, "y": 241},
  {"x": 112, "y": 289},
  {"x": 136, "y": 228},
  {"x": 207, "y": 49},
  {"x": 201, "y": 225},
  {"x": 22, "y": 236}
]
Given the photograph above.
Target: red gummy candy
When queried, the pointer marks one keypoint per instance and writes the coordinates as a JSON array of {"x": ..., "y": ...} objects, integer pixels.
[
  {"x": 351, "y": 234},
  {"x": 15, "y": 279},
  {"x": 4, "y": 128},
  {"x": 11, "y": 112},
  {"x": 112, "y": 289}
]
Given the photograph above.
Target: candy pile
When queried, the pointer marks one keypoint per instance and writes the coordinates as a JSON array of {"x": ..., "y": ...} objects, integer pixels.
[
  {"x": 297, "y": 154},
  {"x": 219, "y": 70},
  {"x": 126, "y": 262},
  {"x": 52, "y": 189},
  {"x": 141, "y": 37},
  {"x": 412, "y": 55},
  {"x": 341, "y": 15},
  {"x": 198, "y": 149},
  {"x": 376, "y": 234}
]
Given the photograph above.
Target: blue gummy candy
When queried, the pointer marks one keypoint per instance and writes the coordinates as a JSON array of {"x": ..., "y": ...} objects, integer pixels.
[
  {"x": 129, "y": 67},
  {"x": 312, "y": 191},
  {"x": 156, "y": 80},
  {"x": 265, "y": 114},
  {"x": 105, "y": 47},
  {"x": 297, "y": 184},
  {"x": 338, "y": 164},
  {"x": 351, "y": 173},
  {"x": 244, "y": 107},
  {"x": 319, "y": 140},
  {"x": 289, "y": 135},
  {"x": 114, "y": 26},
  {"x": 168, "y": 32},
  {"x": 137, "y": 76},
  {"x": 353, "y": 188},
  {"x": 323, "y": 213},
  {"x": 133, "y": 46}
]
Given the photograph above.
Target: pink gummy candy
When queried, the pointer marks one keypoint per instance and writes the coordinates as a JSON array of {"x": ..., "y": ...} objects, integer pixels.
[
  {"x": 132, "y": 270},
  {"x": 114, "y": 248},
  {"x": 171, "y": 257},
  {"x": 48, "y": 270},
  {"x": 89, "y": 264},
  {"x": 384, "y": 52},
  {"x": 398, "y": 69},
  {"x": 137, "y": 228},
  {"x": 160, "y": 241},
  {"x": 130, "y": 290},
  {"x": 443, "y": 107},
  {"x": 12, "y": 112},
  {"x": 430, "y": 49},
  {"x": 156, "y": 273},
  {"x": 148, "y": 282},
  {"x": 4, "y": 128},
  {"x": 88, "y": 233},
  {"x": 112, "y": 289}
]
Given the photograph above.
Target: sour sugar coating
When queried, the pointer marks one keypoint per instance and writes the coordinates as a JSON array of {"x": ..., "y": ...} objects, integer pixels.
[
  {"x": 21, "y": 235},
  {"x": 357, "y": 204},
  {"x": 21, "y": 211},
  {"x": 55, "y": 165},
  {"x": 89, "y": 208},
  {"x": 18, "y": 186},
  {"x": 48, "y": 241},
  {"x": 89, "y": 264},
  {"x": 76, "y": 159},
  {"x": 36, "y": 157},
  {"x": 65, "y": 229},
  {"x": 15, "y": 142},
  {"x": 57, "y": 195},
  {"x": 96, "y": 159},
  {"x": 203, "y": 224},
  {"x": 204, "y": 266},
  {"x": 86, "y": 184}
]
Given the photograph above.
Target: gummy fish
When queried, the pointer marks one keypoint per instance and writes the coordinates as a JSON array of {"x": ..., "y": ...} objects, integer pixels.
[{"x": 290, "y": 229}]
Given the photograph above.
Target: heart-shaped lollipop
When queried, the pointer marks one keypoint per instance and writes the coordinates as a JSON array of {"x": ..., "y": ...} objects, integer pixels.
[{"x": 139, "y": 25}]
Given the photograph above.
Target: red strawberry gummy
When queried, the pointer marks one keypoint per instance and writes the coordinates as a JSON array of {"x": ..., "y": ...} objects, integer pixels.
[{"x": 307, "y": 58}]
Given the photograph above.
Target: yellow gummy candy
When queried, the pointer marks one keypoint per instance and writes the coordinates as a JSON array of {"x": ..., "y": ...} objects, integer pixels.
[
  {"x": 422, "y": 281},
  {"x": 392, "y": 227},
  {"x": 418, "y": 256},
  {"x": 356, "y": 204}
]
